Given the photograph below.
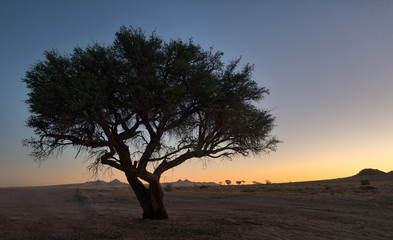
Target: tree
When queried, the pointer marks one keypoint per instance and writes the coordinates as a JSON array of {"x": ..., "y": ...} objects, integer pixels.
[
  {"x": 144, "y": 106},
  {"x": 268, "y": 182},
  {"x": 228, "y": 182}
]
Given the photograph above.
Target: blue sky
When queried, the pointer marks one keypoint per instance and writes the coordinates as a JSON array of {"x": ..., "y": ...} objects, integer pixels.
[{"x": 328, "y": 64}]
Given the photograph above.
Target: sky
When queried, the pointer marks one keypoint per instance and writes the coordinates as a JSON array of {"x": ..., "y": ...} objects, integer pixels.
[{"x": 328, "y": 65}]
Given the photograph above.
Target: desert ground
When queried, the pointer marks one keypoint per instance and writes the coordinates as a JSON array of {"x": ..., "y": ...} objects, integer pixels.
[{"x": 334, "y": 209}]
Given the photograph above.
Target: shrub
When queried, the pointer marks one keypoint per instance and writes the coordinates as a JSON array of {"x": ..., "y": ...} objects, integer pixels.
[
  {"x": 268, "y": 182},
  {"x": 228, "y": 182},
  {"x": 364, "y": 182},
  {"x": 168, "y": 187}
]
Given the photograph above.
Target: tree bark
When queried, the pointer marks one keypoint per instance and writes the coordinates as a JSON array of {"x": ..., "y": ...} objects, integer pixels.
[
  {"x": 157, "y": 200},
  {"x": 151, "y": 199}
]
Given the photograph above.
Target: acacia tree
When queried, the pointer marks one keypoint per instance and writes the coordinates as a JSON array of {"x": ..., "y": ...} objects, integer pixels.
[{"x": 143, "y": 106}]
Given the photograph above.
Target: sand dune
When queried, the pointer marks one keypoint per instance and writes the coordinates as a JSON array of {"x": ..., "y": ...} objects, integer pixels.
[{"x": 336, "y": 209}]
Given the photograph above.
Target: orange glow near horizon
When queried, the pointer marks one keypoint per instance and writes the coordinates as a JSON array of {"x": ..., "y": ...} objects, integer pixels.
[
  {"x": 248, "y": 169},
  {"x": 291, "y": 163}
]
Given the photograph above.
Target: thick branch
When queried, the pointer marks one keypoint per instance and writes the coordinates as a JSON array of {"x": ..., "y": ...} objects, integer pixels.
[
  {"x": 130, "y": 132},
  {"x": 170, "y": 154},
  {"x": 112, "y": 163},
  {"x": 151, "y": 146},
  {"x": 165, "y": 165}
]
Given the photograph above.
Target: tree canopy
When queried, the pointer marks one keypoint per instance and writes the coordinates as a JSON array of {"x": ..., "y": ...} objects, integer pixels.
[{"x": 141, "y": 100}]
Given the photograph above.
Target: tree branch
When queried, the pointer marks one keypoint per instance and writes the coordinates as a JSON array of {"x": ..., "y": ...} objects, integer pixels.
[
  {"x": 165, "y": 165},
  {"x": 111, "y": 163},
  {"x": 168, "y": 155},
  {"x": 77, "y": 141},
  {"x": 151, "y": 146}
]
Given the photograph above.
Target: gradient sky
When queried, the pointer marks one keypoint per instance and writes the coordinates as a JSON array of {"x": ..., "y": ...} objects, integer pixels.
[{"x": 328, "y": 65}]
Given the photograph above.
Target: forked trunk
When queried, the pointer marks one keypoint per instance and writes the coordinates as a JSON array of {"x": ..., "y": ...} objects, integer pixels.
[{"x": 151, "y": 199}]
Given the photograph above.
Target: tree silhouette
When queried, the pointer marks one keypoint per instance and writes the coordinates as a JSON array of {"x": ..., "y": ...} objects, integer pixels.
[{"x": 144, "y": 106}]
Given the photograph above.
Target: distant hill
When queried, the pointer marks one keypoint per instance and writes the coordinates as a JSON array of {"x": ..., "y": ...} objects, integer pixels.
[
  {"x": 100, "y": 183},
  {"x": 370, "y": 171},
  {"x": 186, "y": 183},
  {"x": 117, "y": 183}
]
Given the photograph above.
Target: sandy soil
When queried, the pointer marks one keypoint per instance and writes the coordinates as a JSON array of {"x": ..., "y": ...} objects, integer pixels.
[{"x": 338, "y": 209}]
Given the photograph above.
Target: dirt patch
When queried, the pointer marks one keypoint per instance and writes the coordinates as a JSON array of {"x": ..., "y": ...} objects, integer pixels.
[{"x": 338, "y": 209}]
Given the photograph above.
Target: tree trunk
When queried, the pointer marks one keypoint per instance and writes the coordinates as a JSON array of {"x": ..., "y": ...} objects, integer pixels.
[
  {"x": 151, "y": 199},
  {"x": 157, "y": 200}
]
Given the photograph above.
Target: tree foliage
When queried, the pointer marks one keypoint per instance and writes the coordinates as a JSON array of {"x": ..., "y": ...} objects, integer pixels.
[{"x": 141, "y": 101}]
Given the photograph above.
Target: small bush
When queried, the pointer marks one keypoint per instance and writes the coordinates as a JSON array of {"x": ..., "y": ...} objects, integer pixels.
[
  {"x": 228, "y": 182},
  {"x": 168, "y": 187},
  {"x": 268, "y": 182},
  {"x": 365, "y": 182},
  {"x": 81, "y": 198}
]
